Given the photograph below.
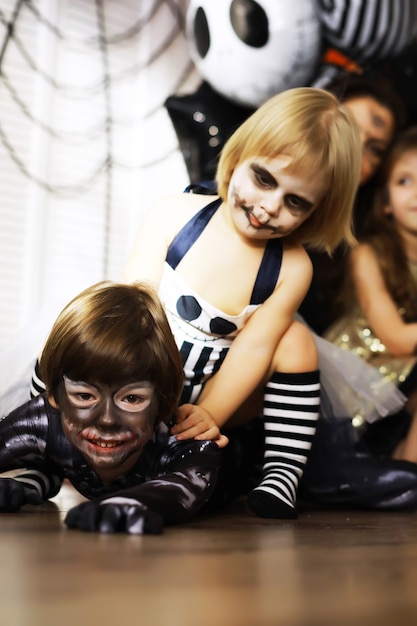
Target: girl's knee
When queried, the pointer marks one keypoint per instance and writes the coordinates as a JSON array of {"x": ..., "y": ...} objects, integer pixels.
[{"x": 296, "y": 352}]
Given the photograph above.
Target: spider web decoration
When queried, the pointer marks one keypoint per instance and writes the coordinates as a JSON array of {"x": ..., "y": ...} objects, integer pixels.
[{"x": 85, "y": 140}]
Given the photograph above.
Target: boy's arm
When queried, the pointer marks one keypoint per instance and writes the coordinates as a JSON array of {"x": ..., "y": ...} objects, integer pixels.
[
  {"x": 177, "y": 495},
  {"x": 29, "y": 478},
  {"x": 28, "y": 486}
]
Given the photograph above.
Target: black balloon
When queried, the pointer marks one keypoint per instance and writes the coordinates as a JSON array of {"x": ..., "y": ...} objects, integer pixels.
[{"x": 203, "y": 121}]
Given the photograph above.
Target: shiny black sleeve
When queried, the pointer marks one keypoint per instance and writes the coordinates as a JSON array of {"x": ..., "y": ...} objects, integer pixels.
[
  {"x": 23, "y": 441},
  {"x": 189, "y": 480},
  {"x": 185, "y": 481}
]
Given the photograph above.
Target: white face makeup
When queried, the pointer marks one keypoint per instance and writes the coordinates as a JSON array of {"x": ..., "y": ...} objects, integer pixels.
[
  {"x": 108, "y": 425},
  {"x": 267, "y": 199}
]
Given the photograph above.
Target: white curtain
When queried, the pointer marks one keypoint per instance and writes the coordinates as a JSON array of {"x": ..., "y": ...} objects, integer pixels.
[{"x": 86, "y": 143}]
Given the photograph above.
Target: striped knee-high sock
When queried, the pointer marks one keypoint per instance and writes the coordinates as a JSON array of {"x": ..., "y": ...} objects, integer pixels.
[{"x": 291, "y": 409}]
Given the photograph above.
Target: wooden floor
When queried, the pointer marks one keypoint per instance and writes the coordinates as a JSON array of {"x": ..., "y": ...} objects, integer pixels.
[{"x": 331, "y": 568}]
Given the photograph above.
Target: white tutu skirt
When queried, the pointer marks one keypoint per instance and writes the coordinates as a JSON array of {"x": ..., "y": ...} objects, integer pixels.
[
  {"x": 353, "y": 388},
  {"x": 350, "y": 387}
]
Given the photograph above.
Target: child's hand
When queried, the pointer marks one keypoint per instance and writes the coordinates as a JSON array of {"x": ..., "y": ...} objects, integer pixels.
[
  {"x": 194, "y": 422},
  {"x": 117, "y": 514},
  {"x": 14, "y": 494}
]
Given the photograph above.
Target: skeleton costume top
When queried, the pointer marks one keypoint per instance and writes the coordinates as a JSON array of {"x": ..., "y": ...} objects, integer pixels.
[{"x": 204, "y": 333}]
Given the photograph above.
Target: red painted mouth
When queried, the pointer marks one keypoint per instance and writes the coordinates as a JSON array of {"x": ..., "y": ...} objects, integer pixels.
[
  {"x": 253, "y": 221},
  {"x": 107, "y": 444}
]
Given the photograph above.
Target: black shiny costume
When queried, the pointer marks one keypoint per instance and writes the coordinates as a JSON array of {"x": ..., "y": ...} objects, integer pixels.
[{"x": 172, "y": 479}]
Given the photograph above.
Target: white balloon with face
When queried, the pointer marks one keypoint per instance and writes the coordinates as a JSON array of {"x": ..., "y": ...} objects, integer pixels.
[{"x": 249, "y": 50}]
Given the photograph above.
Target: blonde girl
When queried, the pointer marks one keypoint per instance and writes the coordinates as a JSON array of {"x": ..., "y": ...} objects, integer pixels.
[{"x": 232, "y": 273}]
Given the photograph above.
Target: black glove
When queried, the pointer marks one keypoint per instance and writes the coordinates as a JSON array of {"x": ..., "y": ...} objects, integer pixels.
[
  {"x": 115, "y": 515},
  {"x": 14, "y": 494}
]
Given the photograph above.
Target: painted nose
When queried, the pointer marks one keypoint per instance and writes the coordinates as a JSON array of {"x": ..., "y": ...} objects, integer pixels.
[
  {"x": 271, "y": 206},
  {"x": 107, "y": 413}
]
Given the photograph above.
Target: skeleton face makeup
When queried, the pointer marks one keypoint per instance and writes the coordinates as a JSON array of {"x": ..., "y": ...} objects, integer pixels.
[
  {"x": 267, "y": 199},
  {"x": 109, "y": 425}
]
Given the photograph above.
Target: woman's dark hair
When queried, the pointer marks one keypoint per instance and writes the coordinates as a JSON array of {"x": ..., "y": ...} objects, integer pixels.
[{"x": 377, "y": 86}]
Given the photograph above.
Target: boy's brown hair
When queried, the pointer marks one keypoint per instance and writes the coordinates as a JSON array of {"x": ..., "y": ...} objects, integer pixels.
[{"x": 115, "y": 333}]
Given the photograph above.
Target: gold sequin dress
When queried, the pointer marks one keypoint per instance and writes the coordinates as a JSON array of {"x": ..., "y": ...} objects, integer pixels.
[{"x": 352, "y": 332}]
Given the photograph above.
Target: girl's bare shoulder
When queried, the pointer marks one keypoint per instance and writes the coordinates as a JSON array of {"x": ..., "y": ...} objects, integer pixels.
[
  {"x": 296, "y": 258},
  {"x": 363, "y": 253},
  {"x": 296, "y": 269},
  {"x": 181, "y": 204},
  {"x": 365, "y": 266},
  {"x": 169, "y": 213}
]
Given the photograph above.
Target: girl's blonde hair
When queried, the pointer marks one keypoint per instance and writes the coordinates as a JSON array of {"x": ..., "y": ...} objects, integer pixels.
[
  {"x": 113, "y": 334},
  {"x": 322, "y": 137}
]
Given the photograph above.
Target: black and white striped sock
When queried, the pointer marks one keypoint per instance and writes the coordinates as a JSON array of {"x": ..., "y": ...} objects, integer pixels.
[{"x": 291, "y": 409}]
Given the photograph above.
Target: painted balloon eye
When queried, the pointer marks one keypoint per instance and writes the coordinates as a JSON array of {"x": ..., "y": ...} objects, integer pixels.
[
  {"x": 201, "y": 33},
  {"x": 249, "y": 22}
]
